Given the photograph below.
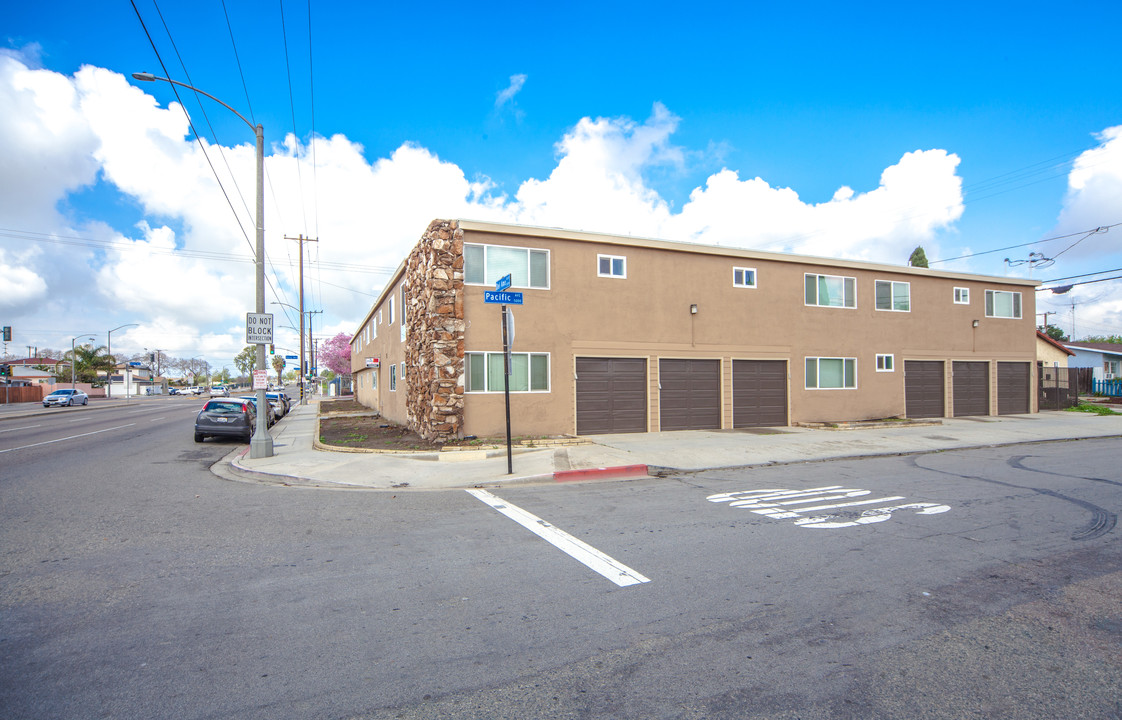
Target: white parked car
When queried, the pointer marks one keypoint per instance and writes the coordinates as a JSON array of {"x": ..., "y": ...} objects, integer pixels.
[{"x": 219, "y": 391}]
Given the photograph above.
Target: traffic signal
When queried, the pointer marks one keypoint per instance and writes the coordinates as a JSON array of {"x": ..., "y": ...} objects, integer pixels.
[
  {"x": 5, "y": 370},
  {"x": 7, "y": 333},
  {"x": 272, "y": 350}
]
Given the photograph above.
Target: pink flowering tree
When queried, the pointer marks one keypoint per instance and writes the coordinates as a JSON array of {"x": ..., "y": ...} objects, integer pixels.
[{"x": 335, "y": 355}]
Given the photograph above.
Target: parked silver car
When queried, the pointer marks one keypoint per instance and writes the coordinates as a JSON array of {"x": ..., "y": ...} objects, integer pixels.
[
  {"x": 66, "y": 396},
  {"x": 231, "y": 417}
]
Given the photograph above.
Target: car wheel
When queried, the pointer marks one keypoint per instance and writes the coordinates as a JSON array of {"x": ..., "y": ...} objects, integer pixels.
[
  {"x": 86, "y": 401},
  {"x": 70, "y": 403},
  {"x": 199, "y": 437}
]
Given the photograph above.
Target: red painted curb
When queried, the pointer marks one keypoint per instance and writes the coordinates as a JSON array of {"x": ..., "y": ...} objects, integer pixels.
[{"x": 604, "y": 473}]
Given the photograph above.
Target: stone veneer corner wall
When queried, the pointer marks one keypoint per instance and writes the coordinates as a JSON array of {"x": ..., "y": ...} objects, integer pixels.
[{"x": 433, "y": 310}]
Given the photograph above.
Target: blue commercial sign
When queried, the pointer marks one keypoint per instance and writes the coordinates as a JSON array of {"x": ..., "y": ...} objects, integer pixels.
[
  {"x": 503, "y": 283},
  {"x": 502, "y": 298},
  {"x": 290, "y": 357}
]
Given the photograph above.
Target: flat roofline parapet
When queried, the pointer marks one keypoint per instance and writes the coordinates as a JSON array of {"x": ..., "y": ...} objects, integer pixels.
[{"x": 699, "y": 249}]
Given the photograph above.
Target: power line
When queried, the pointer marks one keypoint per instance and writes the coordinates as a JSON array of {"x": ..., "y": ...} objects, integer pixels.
[{"x": 1102, "y": 228}]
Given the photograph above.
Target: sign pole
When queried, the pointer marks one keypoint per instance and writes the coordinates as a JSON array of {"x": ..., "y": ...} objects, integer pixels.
[{"x": 506, "y": 392}]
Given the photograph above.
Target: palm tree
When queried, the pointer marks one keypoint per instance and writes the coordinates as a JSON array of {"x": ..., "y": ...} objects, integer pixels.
[{"x": 88, "y": 360}]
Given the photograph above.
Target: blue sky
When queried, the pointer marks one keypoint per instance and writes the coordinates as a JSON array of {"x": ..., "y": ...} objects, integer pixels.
[{"x": 819, "y": 128}]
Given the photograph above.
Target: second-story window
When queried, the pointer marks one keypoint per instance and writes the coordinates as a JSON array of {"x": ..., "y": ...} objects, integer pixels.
[
  {"x": 831, "y": 290},
  {"x": 486, "y": 264},
  {"x": 744, "y": 277},
  {"x": 895, "y": 296},
  {"x": 614, "y": 266},
  {"x": 1002, "y": 304}
]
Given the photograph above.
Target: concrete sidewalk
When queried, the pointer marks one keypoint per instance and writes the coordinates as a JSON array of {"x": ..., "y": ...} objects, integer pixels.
[{"x": 296, "y": 462}]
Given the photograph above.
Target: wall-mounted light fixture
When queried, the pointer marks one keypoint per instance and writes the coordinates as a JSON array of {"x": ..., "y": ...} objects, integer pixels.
[
  {"x": 693, "y": 309},
  {"x": 975, "y": 323}
]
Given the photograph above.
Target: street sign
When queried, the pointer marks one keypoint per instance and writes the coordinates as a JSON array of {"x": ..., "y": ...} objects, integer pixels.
[
  {"x": 502, "y": 298},
  {"x": 290, "y": 357},
  {"x": 259, "y": 328},
  {"x": 503, "y": 283},
  {"x": 260, "y": 379}
]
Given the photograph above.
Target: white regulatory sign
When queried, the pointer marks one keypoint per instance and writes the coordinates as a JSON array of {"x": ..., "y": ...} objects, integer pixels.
[
  {"x": 260, "y": 379},
  {"x": 259, "y": 328}
]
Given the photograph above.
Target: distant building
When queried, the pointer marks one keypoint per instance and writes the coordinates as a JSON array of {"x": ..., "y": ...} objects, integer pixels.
[{"x": 621, "y": 334}]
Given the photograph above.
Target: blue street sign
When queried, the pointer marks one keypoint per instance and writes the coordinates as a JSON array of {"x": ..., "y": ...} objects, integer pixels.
[
  {"x": 502, "y": 298},
  {"x": 290, "y": 357},
  {"x": 503, "y": 283}
]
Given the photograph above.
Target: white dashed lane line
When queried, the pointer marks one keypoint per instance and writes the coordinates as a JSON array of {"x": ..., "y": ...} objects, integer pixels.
[{"x": 71, "y": 437}]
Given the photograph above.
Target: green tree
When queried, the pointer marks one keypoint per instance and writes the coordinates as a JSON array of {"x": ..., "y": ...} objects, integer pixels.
[
  {"x": 246, "y": 360},
  {"x": 1103, "y": 338},
  {"x": 88, "y": 360},
  {"x": 918, "y": 257},
  {"x": 1055, "y": 333},
  {"x": 278, "y": 366}
]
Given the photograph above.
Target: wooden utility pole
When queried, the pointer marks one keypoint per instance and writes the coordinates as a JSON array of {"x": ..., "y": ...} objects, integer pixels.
[{"x": 303, "y": 370}]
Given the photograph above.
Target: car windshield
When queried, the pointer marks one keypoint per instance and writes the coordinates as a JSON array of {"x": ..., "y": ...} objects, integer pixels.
[
  {"x": 63, "y": 392},
  {"x": 224, "y": 406}
]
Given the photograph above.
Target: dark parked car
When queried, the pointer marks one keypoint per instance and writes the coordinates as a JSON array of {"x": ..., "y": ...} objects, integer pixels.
[
  {"x": 224, "y": 417},
  {"x": 66, "y": 396},
  {"x": 271, "y": 415}
]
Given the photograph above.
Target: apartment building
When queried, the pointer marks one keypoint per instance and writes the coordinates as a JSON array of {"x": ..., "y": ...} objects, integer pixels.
[{"x": 622, "y": 334}]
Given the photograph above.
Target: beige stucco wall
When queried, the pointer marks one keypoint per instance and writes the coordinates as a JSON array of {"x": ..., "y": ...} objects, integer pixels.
[
  {"x": 1050, "y": 355},
  {"x": 647, "y": 315}
]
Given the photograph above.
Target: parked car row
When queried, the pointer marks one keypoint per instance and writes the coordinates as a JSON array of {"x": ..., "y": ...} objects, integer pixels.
[{"x": 237, "y": 416}]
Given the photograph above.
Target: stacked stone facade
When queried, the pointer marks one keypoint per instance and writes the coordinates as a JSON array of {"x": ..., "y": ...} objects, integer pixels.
[{"x": 433, "y": 313}]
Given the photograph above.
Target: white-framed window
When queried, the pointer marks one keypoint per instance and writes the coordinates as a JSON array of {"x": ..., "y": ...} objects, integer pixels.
[
  {"x": 379, "y": 322},
  {"x": 403, "y": 320},
  {"x": 744, "y": 277},
  {"x": 401, "y": 372},
  {"x": 614, "y": 266},
  {"x": 373, "y": 379},
  {"x": 831, "y": 373},
  {"x": 486, "y": 264},
  {"x": 529, "y": 372},
  {"x": 961, "y": 296},
  {"x": 1112, "y": 368},
  {"x": 831, "y": 290},
  {"x": 391, "y": 310},
  {"x": 894, "y": 296},
  {"x": 1003, "y": 304},
  {"x": 393, "y": 378},
  {"x": 886, "y": 363}
]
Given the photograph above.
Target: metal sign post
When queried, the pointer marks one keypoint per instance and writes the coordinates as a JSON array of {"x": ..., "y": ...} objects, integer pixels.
[{"x": 506, "y": 391}]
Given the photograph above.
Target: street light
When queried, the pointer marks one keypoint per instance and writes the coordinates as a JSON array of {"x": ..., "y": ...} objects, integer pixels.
[
  {"x": 109, "y": 352},
  {"x": 74, "y": 358},
  {"x": 261, "y": 446}
]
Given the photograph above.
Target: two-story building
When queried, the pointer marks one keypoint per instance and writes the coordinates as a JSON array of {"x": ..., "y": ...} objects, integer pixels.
[{"x": 622, "y": 334}]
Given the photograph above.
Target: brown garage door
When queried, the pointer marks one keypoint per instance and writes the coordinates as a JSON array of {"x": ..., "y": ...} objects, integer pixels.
[
  {"x": 690, "y": 394},
  {"x": 611, "y": 395},
  {"x": 971, "y": 388},
  {"x": 1012, "y": 388},
  {"x": 923, "y": 388},
  {"x": 759, "y": 393}
]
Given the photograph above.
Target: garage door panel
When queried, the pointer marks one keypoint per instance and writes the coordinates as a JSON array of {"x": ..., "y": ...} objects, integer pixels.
[
  {"x": 759, "y": 393},
  {"x": 1013, "y": 388},
  {"x": 689, "y": 394},
  {"x": 971, "y": 388},
  {"x": 924, "y": 389},
  {"x": 611, "y": 395}
]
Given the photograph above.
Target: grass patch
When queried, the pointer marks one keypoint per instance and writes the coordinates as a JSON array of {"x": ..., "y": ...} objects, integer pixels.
[{"x": 1093, "y": 408}]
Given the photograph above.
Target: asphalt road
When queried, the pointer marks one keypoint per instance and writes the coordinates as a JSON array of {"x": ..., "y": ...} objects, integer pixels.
[{"x": 135, "y": 583}]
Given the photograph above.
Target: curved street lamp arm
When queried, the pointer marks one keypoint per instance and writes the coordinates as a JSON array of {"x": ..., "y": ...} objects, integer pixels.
[{"x": 149, "y": 77}]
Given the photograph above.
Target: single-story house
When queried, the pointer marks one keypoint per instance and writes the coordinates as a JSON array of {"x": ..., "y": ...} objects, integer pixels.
[
  {"x": 1104, "y": 358},
  {"x": 621, "y": 334}
]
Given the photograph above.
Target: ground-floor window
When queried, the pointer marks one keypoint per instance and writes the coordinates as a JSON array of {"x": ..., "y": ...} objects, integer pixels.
[
  {"x": 393, "y": 378},
  {"x": 829, "y": 373},
  {"x": 529, "y": 372}
]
